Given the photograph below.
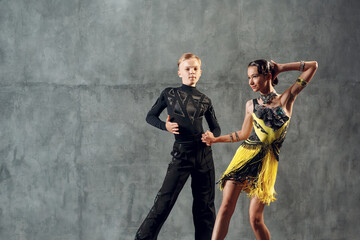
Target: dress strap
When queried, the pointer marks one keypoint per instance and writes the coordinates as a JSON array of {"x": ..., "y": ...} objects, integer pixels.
[{"x": 255, "y": 102}]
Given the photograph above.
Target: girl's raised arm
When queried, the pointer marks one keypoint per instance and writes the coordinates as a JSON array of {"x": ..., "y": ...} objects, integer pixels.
[{"x": 308, "y": 70}]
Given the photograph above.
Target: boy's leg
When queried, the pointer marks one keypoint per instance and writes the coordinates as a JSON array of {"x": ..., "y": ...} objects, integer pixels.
[
  {"x": 203, "y": 189},
  {"x": 176, "y": 176}
]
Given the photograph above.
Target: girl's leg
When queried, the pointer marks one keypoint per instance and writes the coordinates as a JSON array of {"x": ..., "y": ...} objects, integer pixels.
[
  {"x": 230, "y": 195},
  {"x": 256, "y": 213}
]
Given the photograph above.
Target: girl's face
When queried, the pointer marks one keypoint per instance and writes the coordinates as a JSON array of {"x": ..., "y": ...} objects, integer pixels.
[{"x": 257, "y": 82}]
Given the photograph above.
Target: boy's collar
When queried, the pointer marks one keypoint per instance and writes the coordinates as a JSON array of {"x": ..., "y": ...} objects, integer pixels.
[{"x": 187, "y": 86}]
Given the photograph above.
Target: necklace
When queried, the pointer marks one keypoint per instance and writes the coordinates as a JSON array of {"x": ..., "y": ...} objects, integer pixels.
[{"x": 268, "y": 97}]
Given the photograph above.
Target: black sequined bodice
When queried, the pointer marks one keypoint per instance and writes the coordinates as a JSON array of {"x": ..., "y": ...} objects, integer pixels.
[{"x": 186, "y": 106}]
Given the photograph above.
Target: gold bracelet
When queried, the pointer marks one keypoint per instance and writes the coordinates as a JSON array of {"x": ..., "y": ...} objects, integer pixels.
[{"x": 301, "y": 82}]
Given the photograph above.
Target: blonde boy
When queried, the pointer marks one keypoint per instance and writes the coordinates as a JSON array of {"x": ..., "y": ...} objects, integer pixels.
[{"x": 186, "y": 107}]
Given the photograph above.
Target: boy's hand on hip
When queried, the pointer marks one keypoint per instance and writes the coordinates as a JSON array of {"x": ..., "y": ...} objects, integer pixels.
[{"x": 172, "y": 126}]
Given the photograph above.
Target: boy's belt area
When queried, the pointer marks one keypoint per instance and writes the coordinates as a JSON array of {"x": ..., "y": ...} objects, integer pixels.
[{"x": 188, "y": 138}]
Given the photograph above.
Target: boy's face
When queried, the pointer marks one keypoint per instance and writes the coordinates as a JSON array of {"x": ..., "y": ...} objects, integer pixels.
[{"x": 190, "y": 71}]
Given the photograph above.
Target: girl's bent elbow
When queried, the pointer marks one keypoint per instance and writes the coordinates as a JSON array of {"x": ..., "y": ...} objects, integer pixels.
[
  {"x": 316, "y": 65},
  {"x": 245, "y": 136}
]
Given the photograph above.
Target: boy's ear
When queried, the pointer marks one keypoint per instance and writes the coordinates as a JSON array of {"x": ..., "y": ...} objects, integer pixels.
[{"x": 179, "y": 73}]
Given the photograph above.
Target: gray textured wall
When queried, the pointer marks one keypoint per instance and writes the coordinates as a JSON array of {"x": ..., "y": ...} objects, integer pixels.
[{"x": 78, "y": 161}]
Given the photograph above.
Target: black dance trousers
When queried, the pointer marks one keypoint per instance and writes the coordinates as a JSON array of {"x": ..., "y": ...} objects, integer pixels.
[{"x": 188, "y": 158}]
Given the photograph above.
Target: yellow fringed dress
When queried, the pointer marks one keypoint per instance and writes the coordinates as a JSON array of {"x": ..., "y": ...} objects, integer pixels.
[{"x": 256, "y": 160}]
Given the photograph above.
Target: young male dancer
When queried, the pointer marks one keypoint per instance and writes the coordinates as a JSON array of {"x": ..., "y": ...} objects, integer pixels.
[{"x": 186, "y": 107}]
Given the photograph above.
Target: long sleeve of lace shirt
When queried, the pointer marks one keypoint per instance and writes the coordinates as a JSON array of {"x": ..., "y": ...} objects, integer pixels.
[
  {"x": 153, "y": 115},
  {"x": 212, "y": 121}
]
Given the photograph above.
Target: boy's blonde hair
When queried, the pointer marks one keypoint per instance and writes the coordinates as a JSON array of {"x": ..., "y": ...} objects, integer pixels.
[{"x": 187, "y": 56}]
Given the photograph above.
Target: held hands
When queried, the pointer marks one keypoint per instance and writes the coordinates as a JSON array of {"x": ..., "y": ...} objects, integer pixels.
[
  {"x": 171, "y": 126},
  {"x": 208, "y": 138}
]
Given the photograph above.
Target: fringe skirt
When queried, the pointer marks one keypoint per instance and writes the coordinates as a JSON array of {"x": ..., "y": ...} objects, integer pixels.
[{"x": 254, "y": 166}]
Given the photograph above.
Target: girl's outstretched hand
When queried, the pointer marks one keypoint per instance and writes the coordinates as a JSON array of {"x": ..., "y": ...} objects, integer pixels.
[{"x": 208, "y": 138}]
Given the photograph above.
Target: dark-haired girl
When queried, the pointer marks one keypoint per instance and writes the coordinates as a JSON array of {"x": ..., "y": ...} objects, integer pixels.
[{"x": 254, "y": 166}]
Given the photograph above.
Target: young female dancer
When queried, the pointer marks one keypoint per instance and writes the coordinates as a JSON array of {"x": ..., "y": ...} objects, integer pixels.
[{"x": 254, "y": 166}]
